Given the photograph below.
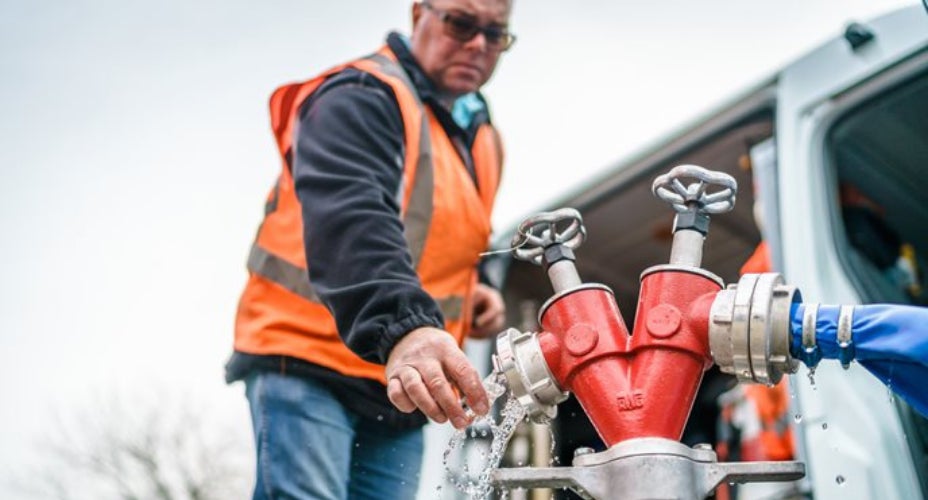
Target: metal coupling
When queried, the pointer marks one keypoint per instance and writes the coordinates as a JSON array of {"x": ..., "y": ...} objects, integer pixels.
[
  {"x": 519, "y": 357},
  {"x": 749, "y": 328}
]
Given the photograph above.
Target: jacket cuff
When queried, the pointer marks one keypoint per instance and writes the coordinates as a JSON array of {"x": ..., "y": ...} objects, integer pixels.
[{"x": 397, "y": 330}]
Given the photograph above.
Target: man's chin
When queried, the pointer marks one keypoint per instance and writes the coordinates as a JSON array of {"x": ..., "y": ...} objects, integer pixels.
[
  {"x": 463, "y": 80},
  {"x": 463, "y": 86}
]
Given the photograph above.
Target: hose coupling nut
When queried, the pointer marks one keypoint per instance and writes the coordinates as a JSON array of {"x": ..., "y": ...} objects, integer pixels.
[{"x": 749, "y": 328}]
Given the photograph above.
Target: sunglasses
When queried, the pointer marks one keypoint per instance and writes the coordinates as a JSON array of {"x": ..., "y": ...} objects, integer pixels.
[{"x": 464, "y": 27}]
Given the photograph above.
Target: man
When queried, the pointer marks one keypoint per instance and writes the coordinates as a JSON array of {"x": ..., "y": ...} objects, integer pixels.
[{"x": 390, "y": 167}]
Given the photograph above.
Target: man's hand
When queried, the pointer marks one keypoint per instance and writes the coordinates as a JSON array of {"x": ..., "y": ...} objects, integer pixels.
[
  {"x": 489, "y": 312},
  {"x": 423, "y": 370}
]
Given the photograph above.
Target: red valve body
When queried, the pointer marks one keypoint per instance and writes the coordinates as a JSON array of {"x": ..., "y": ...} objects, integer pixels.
[{"x": 641, "y": 385}]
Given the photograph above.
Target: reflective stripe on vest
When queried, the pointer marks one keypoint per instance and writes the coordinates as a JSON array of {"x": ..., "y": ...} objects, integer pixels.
[
  {"x": 295, "y": 280},
  {"x": 418, "y": 216},
  {"x": 416, "y": 219}
]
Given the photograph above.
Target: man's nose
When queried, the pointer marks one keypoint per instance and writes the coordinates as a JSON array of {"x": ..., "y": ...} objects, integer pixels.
[{"x": 478, "y": 42}]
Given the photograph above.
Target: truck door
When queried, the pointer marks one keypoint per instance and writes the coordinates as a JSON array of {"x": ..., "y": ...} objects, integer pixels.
[{"x": 852, "y": 174}]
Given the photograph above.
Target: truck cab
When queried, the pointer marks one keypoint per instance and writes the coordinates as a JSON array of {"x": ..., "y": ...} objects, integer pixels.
[{"x": 831, "y": 158}]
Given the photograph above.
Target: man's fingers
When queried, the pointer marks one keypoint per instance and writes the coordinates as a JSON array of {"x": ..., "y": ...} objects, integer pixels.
[
  {"x": 466, "y": 378},
  {"x": 419, "y": 393},
  {"x": 489, "y": 317},
  {"x": 425, "y": 368},
  {"x": 443, "y": 393},
  {"x": 398, "y": 396},
  {"x": 483, "y": 317},
  {"x": 489, "y": 310}
]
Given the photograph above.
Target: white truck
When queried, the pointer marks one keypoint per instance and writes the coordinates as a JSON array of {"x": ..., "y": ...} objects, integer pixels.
[{"x": 835, "y": 146}]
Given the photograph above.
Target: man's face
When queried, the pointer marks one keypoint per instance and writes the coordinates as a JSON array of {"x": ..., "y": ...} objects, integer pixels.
[{"x": 455, "y": 66}]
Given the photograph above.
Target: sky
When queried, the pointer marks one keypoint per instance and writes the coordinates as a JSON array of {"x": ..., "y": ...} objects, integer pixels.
[{"x": 135, "y": 156}]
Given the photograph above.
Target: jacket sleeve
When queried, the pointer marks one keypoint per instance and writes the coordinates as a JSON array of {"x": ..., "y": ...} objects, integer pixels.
[{"x": 347, "y": 167}]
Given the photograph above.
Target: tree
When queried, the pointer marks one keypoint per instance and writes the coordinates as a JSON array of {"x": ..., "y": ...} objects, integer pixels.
[{"x": 163, "y": 450}]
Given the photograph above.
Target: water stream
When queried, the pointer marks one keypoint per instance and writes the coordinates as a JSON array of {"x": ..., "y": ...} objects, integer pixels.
[{"x": 474, "y": 479}]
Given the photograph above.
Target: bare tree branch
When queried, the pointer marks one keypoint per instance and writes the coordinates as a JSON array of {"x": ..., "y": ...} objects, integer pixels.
[{"x": 166, "y": 449}]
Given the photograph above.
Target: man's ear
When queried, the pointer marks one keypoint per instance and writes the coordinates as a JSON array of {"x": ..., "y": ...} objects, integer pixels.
[{"x": 416, "y": 14}]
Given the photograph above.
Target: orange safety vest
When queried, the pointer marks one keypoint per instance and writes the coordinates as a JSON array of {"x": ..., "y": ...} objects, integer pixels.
[{"x": 446, "y": 219}]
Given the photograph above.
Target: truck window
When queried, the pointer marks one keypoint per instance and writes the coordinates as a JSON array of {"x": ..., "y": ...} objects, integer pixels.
[{"x": 879, "y": 154}]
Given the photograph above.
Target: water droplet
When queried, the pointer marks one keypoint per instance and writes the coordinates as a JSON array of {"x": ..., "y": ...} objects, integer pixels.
[
  {"x": 824, "y": 426},
  {"x": 840, "y": 480},
  {"x": 889, "y": 382},
  {"x": 797, "y": 417},
  {"x": 357, "y": 445},
  {"x": 380, "y": 418}
]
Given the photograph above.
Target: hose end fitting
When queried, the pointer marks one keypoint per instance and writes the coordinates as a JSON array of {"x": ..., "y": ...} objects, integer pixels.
[
  {"x": 749, "y": 328},
  {"x": 520, "y": 359}
]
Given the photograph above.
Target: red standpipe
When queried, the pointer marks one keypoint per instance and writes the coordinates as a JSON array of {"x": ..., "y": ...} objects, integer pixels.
[{"x": 640, "y": 385}]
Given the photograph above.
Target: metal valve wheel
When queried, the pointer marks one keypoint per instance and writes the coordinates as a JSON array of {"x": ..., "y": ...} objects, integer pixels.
[
  {"x": 696, "y": 196},
  {"x": 563, "y": 226}
]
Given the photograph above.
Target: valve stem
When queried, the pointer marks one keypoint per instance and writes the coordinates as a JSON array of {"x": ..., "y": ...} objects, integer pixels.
[
  {"x": 693, "y": 204},
  {"x": 559, "y": 261}
]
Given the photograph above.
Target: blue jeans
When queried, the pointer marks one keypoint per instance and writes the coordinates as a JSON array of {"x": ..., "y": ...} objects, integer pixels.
[{"x": 309, "y": 446}]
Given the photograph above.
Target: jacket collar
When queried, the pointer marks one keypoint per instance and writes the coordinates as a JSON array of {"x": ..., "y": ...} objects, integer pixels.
[{"x": 426, "y": 88}]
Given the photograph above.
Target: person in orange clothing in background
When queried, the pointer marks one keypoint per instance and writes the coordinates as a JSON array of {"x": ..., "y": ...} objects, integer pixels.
[
  {"x": 773, "y": 439},
  {"x": 755, "y": 423}
]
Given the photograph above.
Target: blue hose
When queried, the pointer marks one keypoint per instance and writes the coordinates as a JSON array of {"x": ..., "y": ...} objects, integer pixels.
[{"x": 890, "y": 341}]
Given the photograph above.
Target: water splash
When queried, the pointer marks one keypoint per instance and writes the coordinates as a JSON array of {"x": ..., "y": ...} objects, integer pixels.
[
  {"x": 811, "y": 375},
  {"x": 475, "y": 482}
]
